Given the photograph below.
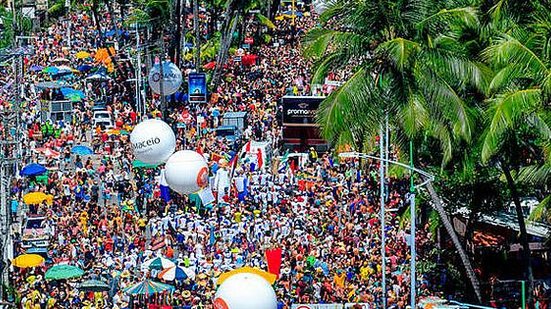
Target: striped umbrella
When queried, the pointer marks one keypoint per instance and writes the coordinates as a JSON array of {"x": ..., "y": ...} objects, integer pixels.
[
  {"x": 158, "y": 263},
  {"x": 148, "y": 287},
  {"x": 176, "y": 273}
]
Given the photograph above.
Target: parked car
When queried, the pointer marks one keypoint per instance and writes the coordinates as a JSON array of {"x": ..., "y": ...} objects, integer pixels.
[{"x": 103, "y": 118}]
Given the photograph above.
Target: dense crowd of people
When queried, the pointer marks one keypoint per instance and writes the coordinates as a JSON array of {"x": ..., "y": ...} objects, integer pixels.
[{"x": 108, "y": 217}]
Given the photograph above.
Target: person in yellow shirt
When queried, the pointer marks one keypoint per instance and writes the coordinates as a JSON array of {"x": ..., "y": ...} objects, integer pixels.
[{"x": 339, "y": 278}]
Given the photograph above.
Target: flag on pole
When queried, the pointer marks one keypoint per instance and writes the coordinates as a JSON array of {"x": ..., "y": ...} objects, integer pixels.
[
  {"x": 165, "y": 190},
  {"x": 273, "y": 260}
]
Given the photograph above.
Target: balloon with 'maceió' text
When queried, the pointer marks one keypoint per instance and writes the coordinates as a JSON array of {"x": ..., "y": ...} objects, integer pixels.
[{"x": 153, "y": 141}]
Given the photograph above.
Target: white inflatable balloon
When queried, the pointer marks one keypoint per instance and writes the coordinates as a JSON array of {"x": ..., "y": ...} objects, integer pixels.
[
  {"x": 153, "y": 141},
  {"x": 245, "y": 291},
  {"x": 186, "y": 172}
]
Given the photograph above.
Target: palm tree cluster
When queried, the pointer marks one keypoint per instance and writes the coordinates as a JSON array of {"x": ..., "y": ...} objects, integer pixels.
[{"x": 471, "y": 78}]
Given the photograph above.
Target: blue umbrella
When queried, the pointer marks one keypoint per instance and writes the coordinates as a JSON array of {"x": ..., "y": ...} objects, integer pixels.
[
  {"x": 82, "y": 150},
  {"x": 36, "y": 68},
  {"x": 84, "y": 67},
  {"x": 33, "y": 169}
]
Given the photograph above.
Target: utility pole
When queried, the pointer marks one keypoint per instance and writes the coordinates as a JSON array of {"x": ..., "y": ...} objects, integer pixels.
[
  {"x": 197, "y": 36},
  {"x": 10, "y": 158},
  {"x": 161, "y": 81}
]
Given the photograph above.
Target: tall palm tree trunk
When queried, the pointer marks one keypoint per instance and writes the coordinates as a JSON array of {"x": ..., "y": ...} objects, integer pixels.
[
  {"x": 227, "y": 36},
  {"x": 437, "y": 204},
  {"x": 526, "y": 254}
]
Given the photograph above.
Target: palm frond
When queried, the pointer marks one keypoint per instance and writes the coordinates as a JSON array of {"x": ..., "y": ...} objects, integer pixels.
[
  {"x": 505, "y": 112},
  {"x": 459, "y": 17},
  {"x": 265, "y": 21},
  {"x": 399, "y": 51},
  {"x": 337, "y": 113},
  {"x": 509, "y": 50}
]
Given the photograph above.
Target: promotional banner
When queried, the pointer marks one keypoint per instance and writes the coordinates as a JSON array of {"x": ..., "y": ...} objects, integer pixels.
[
  {"x": 172, "y": 78},
  {"x": 317, "y": 306},
  {"x": 300, "y": 111},
  {"x": 273, "y": 259},
  {"x": 197, "y": 85}
]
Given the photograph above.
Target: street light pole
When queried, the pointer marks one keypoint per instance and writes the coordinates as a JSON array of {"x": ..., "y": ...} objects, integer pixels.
[
  {"x": 427, "y": 178},
  {"x": 382, "y": 164},
  {"x": 413, "y": 221}
]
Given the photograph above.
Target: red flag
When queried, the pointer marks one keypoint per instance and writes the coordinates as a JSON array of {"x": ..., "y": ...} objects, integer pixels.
[
  {"x": 199, "y": 150},
  {"x": 273, "y": 259},
  {"x": 259, "y": 158},
  {"x": 248, "y": 146},
  {"x": 292, "y": 166}
]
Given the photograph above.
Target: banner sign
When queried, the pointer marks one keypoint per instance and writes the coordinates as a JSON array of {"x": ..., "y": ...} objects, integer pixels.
[
  {"x": 356, "y": 306},
  {"x": 300, "y": 111},
  {"x": 197, "y": 85},
  {"x": 332, "y": 306},
  {"x": 317, "y": 306}
]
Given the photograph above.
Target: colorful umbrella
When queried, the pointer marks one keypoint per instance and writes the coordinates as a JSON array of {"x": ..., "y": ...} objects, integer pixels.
[
  {"x": 84, "y": 67},
  {"x": 148, "y": 287},
  {"x": 63, "y": 271},
  {"x": 28, "y": 260},
  {"x": 47, "y": 152},
  {"x": 94, "y": 286},
  {"x": 176, "y": 273},
  {"x": 36, "y": 68},
  {"x": 158, "y": 263},
  {"x": 34, "y": 198},
  {"x": 82, "y": 55},
  {"x": 82, "y": 150},
  {"x": 140, "y": 164},
  {"x": 50, "y": 70},
  {"x": 210, "y": 65},
  {"x": 60, "y": 60},
  {"x": 32, "y": 169}
]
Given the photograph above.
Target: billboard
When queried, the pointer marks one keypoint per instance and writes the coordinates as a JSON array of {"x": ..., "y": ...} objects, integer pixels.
[
  {"x": 197, "y": 87},
  {"x": 300, "y": 111}
]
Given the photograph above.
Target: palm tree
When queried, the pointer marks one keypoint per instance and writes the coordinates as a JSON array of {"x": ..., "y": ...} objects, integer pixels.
[
  {"x": 517, "y": 132},
  {"x": 235, "y": 12},
  {"x": 407, "y": 63}
]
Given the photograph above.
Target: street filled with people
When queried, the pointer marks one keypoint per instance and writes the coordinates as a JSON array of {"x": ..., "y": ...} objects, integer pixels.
[{"x": 107, "y": 215}]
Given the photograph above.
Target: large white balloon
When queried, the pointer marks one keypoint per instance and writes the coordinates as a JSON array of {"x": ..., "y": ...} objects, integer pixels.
[
  {"x": 245, "y": 291},
  {"x": 186, "y": 172},
  {"x": 153, "y": 141}
]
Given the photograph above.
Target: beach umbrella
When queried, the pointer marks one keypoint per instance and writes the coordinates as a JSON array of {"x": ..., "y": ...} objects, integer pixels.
[
  {"x": 98, "y": 76},
  {"x": 148, "y": 287},
  {"x": 175, "y": 273},
  {"x": 63, "y": 271},
  {"x": 82, "y": 54},
  {"x": 140, "y": 164},
  {"x": 32, "y": 169},
  {"x": 28, "y": 260},
  {"x": 94, "y": 286},
  {"x": 60, "y": 60},
  {"x": 50, "y": 70},
  {"x": 84, "y": 67},
  {"x": 65, "y": 69},
  {"x": 51, "y": 85},
  {"x": 210, "y": 65},
  {"x": 82, "y": 150},
  {"x": 158, "y": 263},
  {"x": 34, "y": 198},
  {"x": 36, "y": 68},
  {"x": 47, "y": 152}
]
